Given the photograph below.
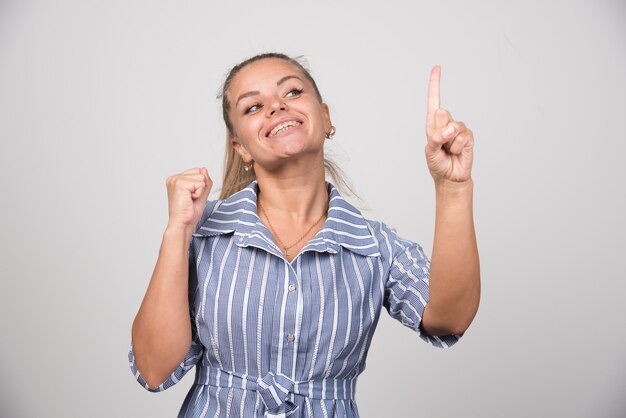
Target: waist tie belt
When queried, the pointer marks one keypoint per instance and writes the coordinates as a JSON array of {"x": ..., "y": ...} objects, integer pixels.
[{"x": 275, "y": 389}]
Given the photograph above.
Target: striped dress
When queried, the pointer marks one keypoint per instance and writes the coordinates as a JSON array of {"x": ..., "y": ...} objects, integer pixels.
[{"x": 278, "y": 339}]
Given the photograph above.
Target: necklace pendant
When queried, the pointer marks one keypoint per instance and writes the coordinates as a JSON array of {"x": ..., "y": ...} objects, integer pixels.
[{"x": 285, "y": 251}]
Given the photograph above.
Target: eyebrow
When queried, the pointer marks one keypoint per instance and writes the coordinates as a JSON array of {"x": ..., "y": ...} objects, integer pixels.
[
  {"x": 255, "y": 92},
  {"x": 287, "y": 77}
]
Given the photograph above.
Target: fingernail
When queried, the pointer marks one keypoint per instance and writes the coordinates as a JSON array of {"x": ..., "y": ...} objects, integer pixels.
[{"x": 448, "y": 132}]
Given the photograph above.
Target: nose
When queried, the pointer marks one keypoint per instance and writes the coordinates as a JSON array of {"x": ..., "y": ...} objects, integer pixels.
[{"x": 278, "y": 105}]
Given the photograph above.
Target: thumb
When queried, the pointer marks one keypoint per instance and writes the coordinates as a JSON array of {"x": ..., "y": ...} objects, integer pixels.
[
  {"x": 201, "y": 192},
  {"x": 207, "y": 183},
  {"x": 435, "y": 138}
]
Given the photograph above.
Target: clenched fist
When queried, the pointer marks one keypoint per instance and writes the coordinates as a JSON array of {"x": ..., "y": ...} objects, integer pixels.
[{"x": 187, "y": 194}]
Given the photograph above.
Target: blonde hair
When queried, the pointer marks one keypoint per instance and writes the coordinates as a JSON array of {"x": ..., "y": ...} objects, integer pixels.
[{"x": 235, "y": 178}]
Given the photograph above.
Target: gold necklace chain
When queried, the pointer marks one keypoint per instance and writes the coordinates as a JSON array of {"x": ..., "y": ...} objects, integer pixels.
[{"x": 280, "y": 242}]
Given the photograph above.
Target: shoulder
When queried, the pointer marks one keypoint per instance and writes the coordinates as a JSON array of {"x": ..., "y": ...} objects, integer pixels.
[
  {"x": 385, "y": 237},
  {"x": 353, "y": 222},
  {"x": 209, "y": 208},
  {"x": 222, "y": 215},
  {"x": 390, "y": 244}
]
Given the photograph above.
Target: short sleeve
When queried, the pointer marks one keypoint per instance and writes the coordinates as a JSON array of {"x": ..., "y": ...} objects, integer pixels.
[
  {"x": 195, "y": 350},
  {"x": 192, "y": 357},
  {"x": 406, "y": 288}
]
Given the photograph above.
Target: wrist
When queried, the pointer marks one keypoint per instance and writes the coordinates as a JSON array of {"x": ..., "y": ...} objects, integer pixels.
[
  {"x": 447, "y": 186},
  {"x": 177, "y": 230}
]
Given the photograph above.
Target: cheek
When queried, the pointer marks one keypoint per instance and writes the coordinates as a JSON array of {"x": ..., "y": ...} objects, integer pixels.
[
  {"x": 246, "y": 128},
  {"x": 324, "y": 123}
]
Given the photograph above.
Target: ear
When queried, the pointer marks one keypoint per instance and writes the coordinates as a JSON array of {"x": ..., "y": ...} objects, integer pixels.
[
  {"x": 241, "y": 149},
  {"x": 327, "y": 122}
]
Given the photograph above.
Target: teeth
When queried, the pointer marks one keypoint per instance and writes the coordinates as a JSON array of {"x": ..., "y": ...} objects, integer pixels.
[{"x": 283, "y": 127}]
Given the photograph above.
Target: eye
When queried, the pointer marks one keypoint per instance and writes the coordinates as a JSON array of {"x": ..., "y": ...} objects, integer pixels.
[
  {"x": 294, "y": 92},
  {"x": 252, "y": 108}
]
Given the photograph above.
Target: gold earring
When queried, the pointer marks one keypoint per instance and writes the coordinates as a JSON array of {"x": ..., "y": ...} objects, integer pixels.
[
  {"x": 246, "y": 166},
  {"x": 330, "y": 134}
]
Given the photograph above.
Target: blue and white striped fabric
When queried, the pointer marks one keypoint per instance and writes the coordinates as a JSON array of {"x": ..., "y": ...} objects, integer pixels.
[{"x": 279, "y": 339}]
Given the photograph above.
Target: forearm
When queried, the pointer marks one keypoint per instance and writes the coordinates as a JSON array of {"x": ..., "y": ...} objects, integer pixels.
[
  {"x": 161, "y": 330},
  {"x": 455, "y": 269}
]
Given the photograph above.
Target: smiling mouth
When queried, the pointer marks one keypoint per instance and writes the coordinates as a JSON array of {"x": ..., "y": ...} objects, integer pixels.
[{"x": 283, "y": 127}]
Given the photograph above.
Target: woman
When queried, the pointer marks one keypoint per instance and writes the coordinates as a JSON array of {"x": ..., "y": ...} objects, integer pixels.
[{"x": 273, "y": 292}]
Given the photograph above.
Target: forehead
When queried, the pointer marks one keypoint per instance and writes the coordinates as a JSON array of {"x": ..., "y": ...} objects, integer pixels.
[{"x": 266, "y": 71}]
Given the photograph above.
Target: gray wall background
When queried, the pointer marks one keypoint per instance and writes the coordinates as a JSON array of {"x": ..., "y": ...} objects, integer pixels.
[{"x": 101, "y": 101}]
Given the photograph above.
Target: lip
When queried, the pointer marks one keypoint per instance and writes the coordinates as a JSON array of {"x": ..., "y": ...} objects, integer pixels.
[{"x": 278, "y": 122}]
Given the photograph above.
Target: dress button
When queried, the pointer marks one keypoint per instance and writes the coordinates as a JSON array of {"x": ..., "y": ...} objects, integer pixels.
[
  {"x": 292, "y": 287},
  {"x": 291, "y": 338}
]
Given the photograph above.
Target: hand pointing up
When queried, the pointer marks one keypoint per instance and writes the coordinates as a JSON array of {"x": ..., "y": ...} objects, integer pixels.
[{"x": 450, "y": 146}]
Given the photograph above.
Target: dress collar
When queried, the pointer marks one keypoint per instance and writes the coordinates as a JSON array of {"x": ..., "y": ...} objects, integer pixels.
[{"x": 344, "y": 226}]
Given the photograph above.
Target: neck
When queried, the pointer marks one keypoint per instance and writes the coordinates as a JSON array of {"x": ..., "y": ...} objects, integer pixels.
[{"x": 299, "y": 197}]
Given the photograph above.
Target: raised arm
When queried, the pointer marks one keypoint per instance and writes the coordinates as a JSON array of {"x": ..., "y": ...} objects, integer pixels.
[
  {"x": 454, "y": 270},
  {"x": 161, "y": 331}
]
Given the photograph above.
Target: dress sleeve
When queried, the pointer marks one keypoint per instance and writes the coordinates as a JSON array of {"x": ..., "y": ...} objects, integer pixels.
[
  {"x": 195, "y": 350},
  {"x": 192, "y": 357},
  {"x": 406, "y": 288}
]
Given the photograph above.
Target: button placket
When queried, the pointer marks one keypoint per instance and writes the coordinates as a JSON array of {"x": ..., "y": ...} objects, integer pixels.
[{"x": 291, "y": 326}]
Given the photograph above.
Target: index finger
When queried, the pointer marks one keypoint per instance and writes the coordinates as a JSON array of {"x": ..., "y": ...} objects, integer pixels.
[
  {"x": 193, "y": 171},
  {"x": 433, "y": 91}
]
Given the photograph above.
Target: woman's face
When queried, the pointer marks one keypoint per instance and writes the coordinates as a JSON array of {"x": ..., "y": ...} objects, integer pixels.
[{"x": 276, "y": 115}]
